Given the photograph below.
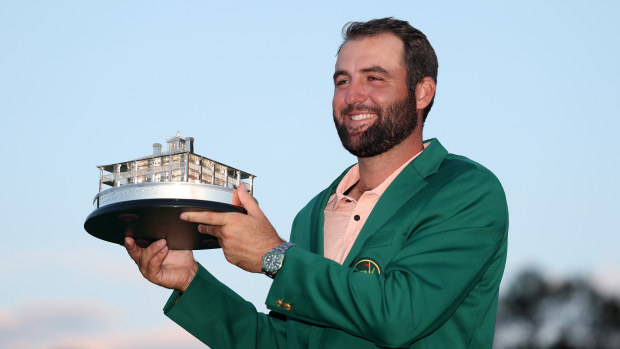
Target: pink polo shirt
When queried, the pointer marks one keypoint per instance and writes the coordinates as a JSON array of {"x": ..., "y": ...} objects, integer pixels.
[{"x": 345, "y": 217}]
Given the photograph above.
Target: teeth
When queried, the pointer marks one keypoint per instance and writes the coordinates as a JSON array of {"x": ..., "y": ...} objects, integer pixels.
[{"x": 362, "y": 116}]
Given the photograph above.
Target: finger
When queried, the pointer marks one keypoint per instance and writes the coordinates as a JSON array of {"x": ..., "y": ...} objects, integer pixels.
[
  {"x": 148, "y": 254},
  {"x": 248, "y": 202},
  {"x": 205, "y": 217},
  {"x": 209, "y": 230},
  {"x": 154, "y": 265},
  {"x": 133, "y": 250}
]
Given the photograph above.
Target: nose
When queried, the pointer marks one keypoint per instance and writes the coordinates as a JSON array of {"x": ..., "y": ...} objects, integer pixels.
[{"x": 355, "y": 93}]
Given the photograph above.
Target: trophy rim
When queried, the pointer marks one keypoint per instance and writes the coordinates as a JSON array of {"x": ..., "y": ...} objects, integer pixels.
[
  {"x": 163, "y": 190},
  {"x": 149, "y": 220}
]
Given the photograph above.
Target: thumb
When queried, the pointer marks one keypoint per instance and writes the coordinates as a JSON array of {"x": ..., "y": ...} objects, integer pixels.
[
  {"x": 235, "y": 198},
  {"x": 248, "y": 202}
]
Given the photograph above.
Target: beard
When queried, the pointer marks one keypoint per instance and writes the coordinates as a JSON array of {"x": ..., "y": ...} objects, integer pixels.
[{"x": 394, "y": 123}]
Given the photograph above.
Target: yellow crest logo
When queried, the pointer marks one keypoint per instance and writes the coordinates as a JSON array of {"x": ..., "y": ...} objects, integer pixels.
[{"x": 367, "y": 266}]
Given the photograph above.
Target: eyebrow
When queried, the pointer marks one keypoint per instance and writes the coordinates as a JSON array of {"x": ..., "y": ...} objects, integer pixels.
[
  {"x": 376, "y": 69},
  {"x": 337, "y": 73},
  {"x": 373, "y": 69}
]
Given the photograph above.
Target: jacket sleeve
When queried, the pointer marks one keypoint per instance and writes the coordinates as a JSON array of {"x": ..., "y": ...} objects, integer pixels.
[
  {"x": 220, "y": 318},
  {"x": 454, "y": 233}
]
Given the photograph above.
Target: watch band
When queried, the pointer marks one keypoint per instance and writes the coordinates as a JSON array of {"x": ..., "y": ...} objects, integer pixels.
[{"x": 284, "y": 246}]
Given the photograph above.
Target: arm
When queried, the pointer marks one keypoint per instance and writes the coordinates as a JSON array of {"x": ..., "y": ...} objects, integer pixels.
[
  {"x": 202, "y": 305},
  {"x": 220, "y": 318}
]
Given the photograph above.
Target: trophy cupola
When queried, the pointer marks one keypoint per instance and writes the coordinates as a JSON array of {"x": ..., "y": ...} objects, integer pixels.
[{"x": 178, "y": 143}]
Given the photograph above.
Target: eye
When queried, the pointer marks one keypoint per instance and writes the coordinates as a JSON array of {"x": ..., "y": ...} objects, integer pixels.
[
  {"x": 341, "y": 81},
  {"x": 374, "y": 78}
]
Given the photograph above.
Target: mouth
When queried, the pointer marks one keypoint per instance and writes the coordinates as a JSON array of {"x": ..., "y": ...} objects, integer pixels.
[
  {"x": 359, "y": 117},
  {"x": 355, "y": 120},
  {"x": 359, "y": 122}
]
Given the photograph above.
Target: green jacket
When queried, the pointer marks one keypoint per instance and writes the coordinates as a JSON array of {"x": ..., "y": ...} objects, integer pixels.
[{"x": 424, "y": 272}]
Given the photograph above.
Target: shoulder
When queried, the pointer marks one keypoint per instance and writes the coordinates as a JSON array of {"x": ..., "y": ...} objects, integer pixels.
[
  {"x": 462, "y": 185},
  {"x": 461, "y": 166},
  {"x": 458, "y": 170},
  {"x": 463, "y": 163}
]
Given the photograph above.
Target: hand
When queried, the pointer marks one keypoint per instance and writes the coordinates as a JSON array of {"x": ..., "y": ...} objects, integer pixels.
[
  {"x": 159, "y": 265},
  {"x": 244, "y": 238}
]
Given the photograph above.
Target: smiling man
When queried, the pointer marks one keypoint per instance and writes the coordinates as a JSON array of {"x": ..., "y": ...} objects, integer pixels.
[{"x": 405, "y": 249}]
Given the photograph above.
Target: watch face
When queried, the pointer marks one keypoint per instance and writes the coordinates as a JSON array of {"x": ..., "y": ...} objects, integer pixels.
[{"x": 272, "y": 262}]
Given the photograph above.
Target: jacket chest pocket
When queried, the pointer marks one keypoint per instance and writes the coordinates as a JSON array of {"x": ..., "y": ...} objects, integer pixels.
[{"x": 377, "y": 251}]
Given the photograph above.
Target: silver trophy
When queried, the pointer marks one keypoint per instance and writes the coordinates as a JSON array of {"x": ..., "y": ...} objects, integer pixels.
[{"x": 143, "y": 198}]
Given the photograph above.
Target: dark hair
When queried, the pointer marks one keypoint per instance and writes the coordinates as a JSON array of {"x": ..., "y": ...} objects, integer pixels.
[{"x": 419, "y": 56}]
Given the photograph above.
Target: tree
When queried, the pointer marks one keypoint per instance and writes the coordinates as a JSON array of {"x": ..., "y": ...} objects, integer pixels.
[{"x": 536, "y": 313}]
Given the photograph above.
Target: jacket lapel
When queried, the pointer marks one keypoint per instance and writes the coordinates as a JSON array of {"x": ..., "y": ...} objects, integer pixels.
[{"x": 404, "y": 187}]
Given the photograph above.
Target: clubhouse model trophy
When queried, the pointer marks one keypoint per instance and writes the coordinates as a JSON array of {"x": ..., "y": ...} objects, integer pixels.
[{"x": 144, "y": 197}]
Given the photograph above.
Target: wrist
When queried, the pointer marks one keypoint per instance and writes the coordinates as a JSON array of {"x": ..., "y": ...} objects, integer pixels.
[{"x": 193, "y": 270}]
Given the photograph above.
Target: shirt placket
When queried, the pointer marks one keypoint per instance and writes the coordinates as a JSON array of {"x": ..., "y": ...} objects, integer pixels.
[{"x": 356, "y": 222}]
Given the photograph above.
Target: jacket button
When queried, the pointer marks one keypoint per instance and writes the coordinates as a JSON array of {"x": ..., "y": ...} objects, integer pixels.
[
  {"x": 279, "y": 303},
  {"x": 287, "y": 306}
]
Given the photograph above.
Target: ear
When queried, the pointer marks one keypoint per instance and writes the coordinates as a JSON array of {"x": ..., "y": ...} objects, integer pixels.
[{"x": 424, "y": 92}]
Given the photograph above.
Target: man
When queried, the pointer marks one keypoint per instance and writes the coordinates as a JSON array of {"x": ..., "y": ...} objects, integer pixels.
[{"x": 406, "y": 249}]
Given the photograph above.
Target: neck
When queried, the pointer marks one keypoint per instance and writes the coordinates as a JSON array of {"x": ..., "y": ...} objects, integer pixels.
[{"x": 374, "y": 170}]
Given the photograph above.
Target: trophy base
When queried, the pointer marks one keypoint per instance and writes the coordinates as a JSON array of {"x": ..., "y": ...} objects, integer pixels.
[{"x": 149, "y": 220}]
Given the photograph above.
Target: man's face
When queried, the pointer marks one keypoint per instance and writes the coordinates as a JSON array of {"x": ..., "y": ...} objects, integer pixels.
[{"x": 372, "y": 108}]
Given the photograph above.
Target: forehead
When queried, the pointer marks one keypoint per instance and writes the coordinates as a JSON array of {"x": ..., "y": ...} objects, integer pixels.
[{"x": 385, "y": 50}]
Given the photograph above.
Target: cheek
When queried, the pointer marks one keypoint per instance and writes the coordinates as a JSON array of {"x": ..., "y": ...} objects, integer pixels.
[
  {"x": 378, "y": 98},
  {"x": 338, "y": 99},
  {"x": 383, "y": 97}
]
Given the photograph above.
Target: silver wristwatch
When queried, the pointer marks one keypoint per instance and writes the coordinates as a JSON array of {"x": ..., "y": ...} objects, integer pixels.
[{"x": 272, "y": 260}]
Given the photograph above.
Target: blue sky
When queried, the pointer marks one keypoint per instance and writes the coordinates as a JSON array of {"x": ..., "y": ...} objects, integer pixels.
[{"x": 527, "y": 88}]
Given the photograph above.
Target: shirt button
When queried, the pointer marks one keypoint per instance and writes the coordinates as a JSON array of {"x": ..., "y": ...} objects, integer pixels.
[
  {"x": 356, "y": 217},
  {"x": 279, "y": 303},
  {"x": 287, "y": 306}
]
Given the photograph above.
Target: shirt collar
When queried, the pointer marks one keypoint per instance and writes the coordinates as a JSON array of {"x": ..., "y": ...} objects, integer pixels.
[{"x": 353, "y": 176}]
